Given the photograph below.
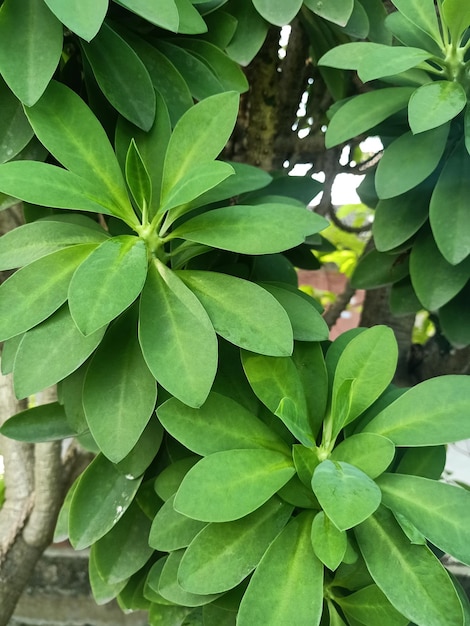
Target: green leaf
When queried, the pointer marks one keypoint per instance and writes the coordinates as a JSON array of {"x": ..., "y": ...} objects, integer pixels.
[
  {"x": 438, "y": 510},
  {"x": 239, "y": 482},
  {"x": 178, "y": 341},
  {"x": 377, "y": 269},
  {"x": 9, "y": 350},
  {"x": 310, "y": 363},
  {"x": 101, "y": 498},
  {"x": 446, "y": 280},
  {"x": 145, "y": 450},
  {"x": 165, "y": 15},
  {"x": 409, "y": 160},
  {"x": 417, "y": 585},
  {"x": 435, "y": 104},
  {"x": 168, "y": 481},
  {"x": 305, "y": 461},
  {"x": 82, "y": 17},
  {"x": 30, "y": 242},
  {"x": 138, "y": 178},
  {"x": 307, "y": 323},
  {"x": 346, "y": 494},
  {"x": 198, "y": 78},
  {"x": 370, "y": 606},
  {"x": 222, "y": 555},
  {"x": 453, "y": 318},
  {"x": 130, "y": 534},
  {"x": 227, "y": 71},
  {"x": 370, "y": 453},
  {"x": 169, "y": 587},
  {"x": 199, "y": 137},
  {"x": 46, "y": 422},
  {"x": 373, "y": 60},
  {"x": 170, "y": 530},
  {"x": 257, "y": 229},
  {"x": 52, "y": 186},
  {"x": 197, "y": 181},
  {"x": 365, "y": 111},
  {"x": 108, "y": 282},
  {"x": 15, "y": 131},
  {"x": 50, "y": 352},
  {"x": 358, "y": 23},
  {"x": 166, "y": 79},
  {"x": 242, "y": 312},
  {"x": 150, "y": 146},
  {"x": 457, "y": 18},
  {"x": 431, "y": 413},
  {"x": 397, "y": 219},
  {"x": 422, "y": 13},
  {"x": 369, "y": 360},
  {"x": 122, "y": 77},
  {"x": 250, "y": 34},
  {"x": 102, "y": 591},
  {"x": 410, "y": 35},
  {"x": 191, "y": 22},
  {"x": 300, "y": 576},
  {"x": 31, "y": 28},
  {"x": 277, "y": 12},
  {"x": 337, "y": 12},
  {"x": 34, "y": 292},
  {"x": 118, "y": 384},
  {"x": 428, "y": 462},
  {"x": 451, "y": 228},
  {"x": 219, "y": 424},
  {"x": 277, "y": 383},
  {"x": 329, "y": 543}
]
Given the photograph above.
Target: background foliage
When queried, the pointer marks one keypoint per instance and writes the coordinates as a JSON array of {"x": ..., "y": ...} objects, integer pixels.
[{"x": 250, "y": 470}]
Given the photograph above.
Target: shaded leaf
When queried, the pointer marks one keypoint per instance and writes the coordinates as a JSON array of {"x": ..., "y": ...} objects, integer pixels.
[
  {"x": 15, "y": 131},
  {"x": 46, "y": 422},
  {"x": 370, "y": 606},
  {"x": 169, "y": 587},
  {"x": 170, "y": 530},
  {"x": 119, "y": 392},
  {"x": 451, "y": 228},
  {"x": 337, "y": 12},
  {"x": 130, "y": 534},
  {"x": 276, "y": 11},
  {"x": 421, "y": 13},
  {"x": 122, "y": 77},
  {"x": 99, "y": 501},
  {"x": 165, "y": 15},
  {"x": 29, "y": 26},
  {"x": 138, "y": 179}
]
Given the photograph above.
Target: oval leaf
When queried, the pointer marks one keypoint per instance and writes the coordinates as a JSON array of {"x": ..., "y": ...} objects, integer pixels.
[
  {"x": 370, "y": 453},
  {"x": 347, "y": 495},
  {"x": 300, "y": 575},
  {"x": 222, "y": 555},
  {"x": 119, "y": 391},
  {"x": 242, "y": 312},
  {"x": 46, "y": 422},
  {"x": 438, "y": 510},
  {"x": 417, "y": 585},
  {"x": 434, "y": 412},
  {"x": 178, "y": 341},
  {"x": 434, "y": 104},
  {"x": 108, "y": 282},
  {"x": 100, "y": 499},
  {"x": 239, "y": 481}
]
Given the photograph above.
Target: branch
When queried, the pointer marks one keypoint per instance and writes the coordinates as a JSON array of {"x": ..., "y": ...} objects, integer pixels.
[{"x": 333, "y": 313}]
